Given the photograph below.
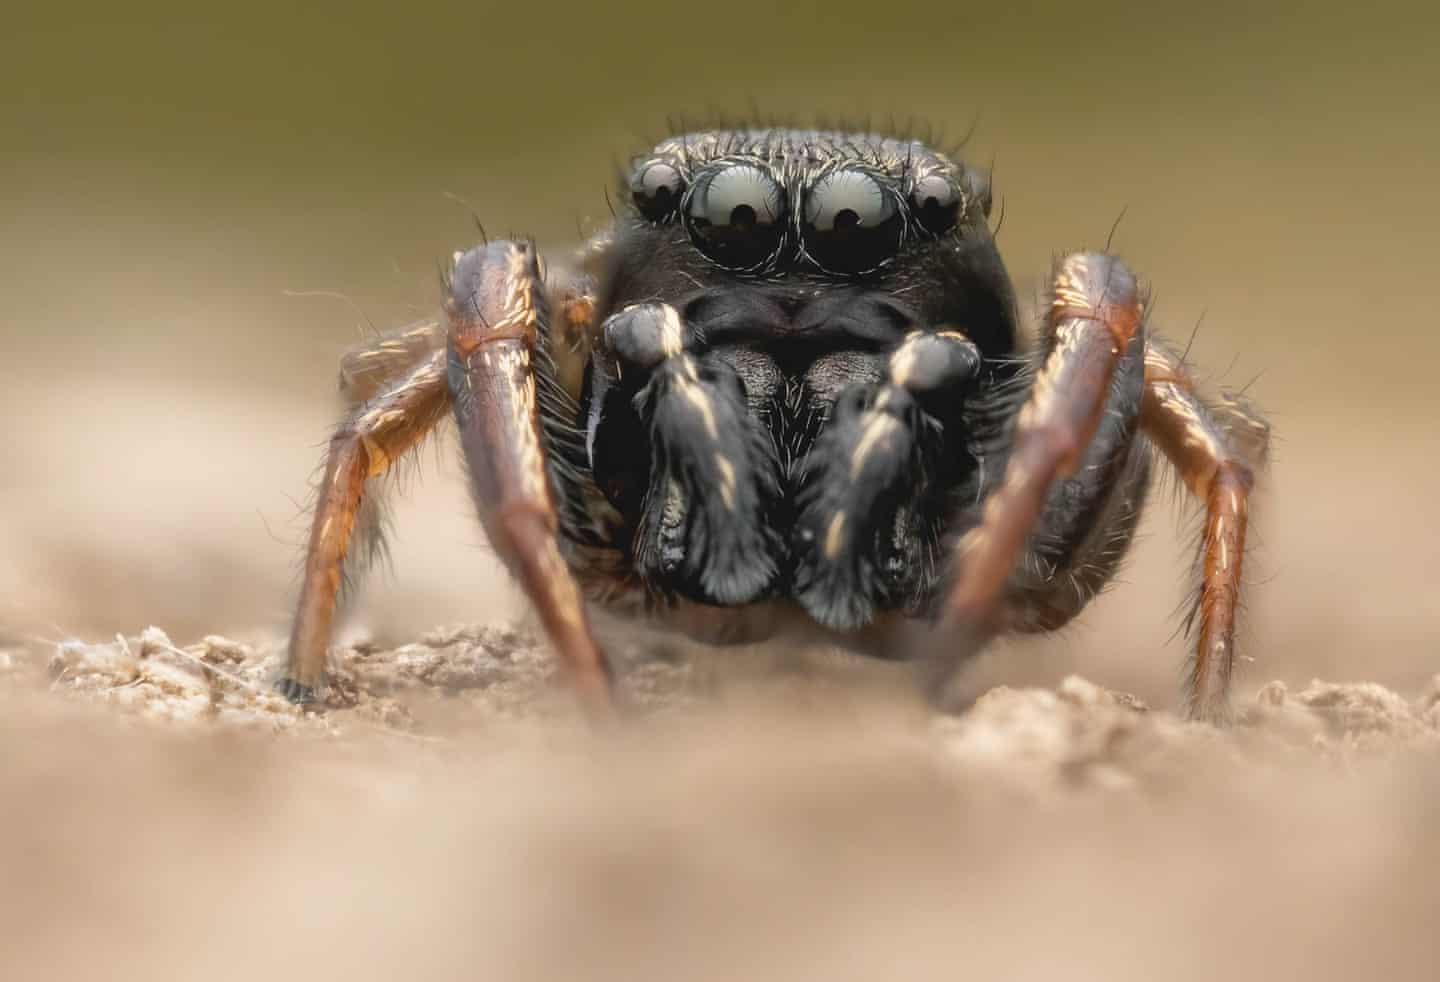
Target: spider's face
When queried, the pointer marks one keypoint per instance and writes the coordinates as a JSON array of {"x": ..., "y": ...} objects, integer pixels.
[
  {"x": 797, "y": 217},
  {"x": 787, "y": 395}
]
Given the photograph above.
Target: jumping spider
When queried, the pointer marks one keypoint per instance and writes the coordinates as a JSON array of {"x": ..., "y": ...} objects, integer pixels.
[{"x": 788, "y": 390}]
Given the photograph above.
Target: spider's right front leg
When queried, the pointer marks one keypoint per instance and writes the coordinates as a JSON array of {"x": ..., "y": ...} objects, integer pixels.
[
  {"x": 496, "y": 310},
  {"x": 1094, "y": 321}
]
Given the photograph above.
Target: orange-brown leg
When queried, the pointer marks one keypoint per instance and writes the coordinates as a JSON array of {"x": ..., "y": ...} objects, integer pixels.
[
  {"x": 366, "y": 371},
  {"x": 1095, "y": 313},
  {"x": 1216, "y": 450},
  {"x": 376, "y": 433},
  {"x": 496, "y": 311}
]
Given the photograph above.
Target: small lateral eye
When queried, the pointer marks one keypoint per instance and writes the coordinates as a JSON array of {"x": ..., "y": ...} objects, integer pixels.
[
  {"x": 936, "y": 202},
  {"x": 655, "y": 189},
  {"x": 736, "y": 216},
  {"x": 853, "y": 223}
]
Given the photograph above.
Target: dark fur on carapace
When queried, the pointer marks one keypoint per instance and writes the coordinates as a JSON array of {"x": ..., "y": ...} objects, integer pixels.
[{"x": 788, "y": 362}]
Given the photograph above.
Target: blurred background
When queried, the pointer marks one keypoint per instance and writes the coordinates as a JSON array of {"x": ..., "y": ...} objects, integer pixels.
[{"x": 202, "y": 205}]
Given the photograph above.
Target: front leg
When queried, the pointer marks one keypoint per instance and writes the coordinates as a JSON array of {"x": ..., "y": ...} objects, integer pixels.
[
  {"x": 496, "y": 311},
  {"x": 1094, "y": 317}
]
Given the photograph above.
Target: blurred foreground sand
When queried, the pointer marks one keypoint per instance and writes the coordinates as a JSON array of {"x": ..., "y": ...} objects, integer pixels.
[{"x": 449, "y": 817}]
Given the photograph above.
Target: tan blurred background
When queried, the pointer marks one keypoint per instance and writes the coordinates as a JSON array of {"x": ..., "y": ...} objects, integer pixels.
[{"x": 200, "y": 207}]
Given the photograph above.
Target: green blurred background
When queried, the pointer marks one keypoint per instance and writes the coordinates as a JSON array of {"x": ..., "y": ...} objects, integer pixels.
[{"x": 201, "y": 206}]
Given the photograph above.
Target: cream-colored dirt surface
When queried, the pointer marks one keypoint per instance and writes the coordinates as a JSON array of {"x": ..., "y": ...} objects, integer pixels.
[{"x": 449, "y": 815}]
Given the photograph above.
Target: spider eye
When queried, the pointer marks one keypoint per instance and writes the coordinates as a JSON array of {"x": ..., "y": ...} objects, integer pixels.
[
  {"x": 736, "y": 216},
  {"x": 937, "y": 203},
  {"x": 853, "y": 223},
  {"x": 655, "y": 189}
]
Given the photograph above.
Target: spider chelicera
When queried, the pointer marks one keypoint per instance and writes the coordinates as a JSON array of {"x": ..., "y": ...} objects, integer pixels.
[{"x": 787, "y": 392}]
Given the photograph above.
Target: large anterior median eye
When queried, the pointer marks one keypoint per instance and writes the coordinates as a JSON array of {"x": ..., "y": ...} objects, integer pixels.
[
  {"x": 853, "y": 223},
  {"x": 736, "y": 215}
]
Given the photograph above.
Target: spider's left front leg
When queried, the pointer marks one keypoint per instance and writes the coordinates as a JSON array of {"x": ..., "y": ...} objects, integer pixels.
[
  {"x": 1092, "y": 362},
  {"x": 497, "y": 320}
]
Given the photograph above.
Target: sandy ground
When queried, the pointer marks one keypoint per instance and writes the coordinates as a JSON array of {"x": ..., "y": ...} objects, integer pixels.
[{"x": 449, "y": 815}]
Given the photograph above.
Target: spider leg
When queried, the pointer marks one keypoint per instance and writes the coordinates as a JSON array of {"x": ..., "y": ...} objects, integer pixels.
[
  {"x": 497, "y": 315},
  {"x": 1216, "y": 448},
  {"x": 373, "y": 436},
  {"x": 1093, "y": 318},
  {"x": 364, "y": 373},
  {"x": 1090, "y": 517}
]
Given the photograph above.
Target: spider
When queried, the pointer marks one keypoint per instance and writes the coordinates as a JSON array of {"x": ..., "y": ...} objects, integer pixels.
[{"x": 787, "y": 392}]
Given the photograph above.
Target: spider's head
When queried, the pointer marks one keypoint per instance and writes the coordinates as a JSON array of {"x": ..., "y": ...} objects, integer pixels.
[
  {"x": 797, "y": 325},
  {"x": 799, "y": 215}
]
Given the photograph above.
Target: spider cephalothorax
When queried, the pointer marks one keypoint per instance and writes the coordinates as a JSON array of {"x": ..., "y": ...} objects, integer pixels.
[
  {"x": 746, "y": 426},
  {"x": 788, "y": 388}
]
